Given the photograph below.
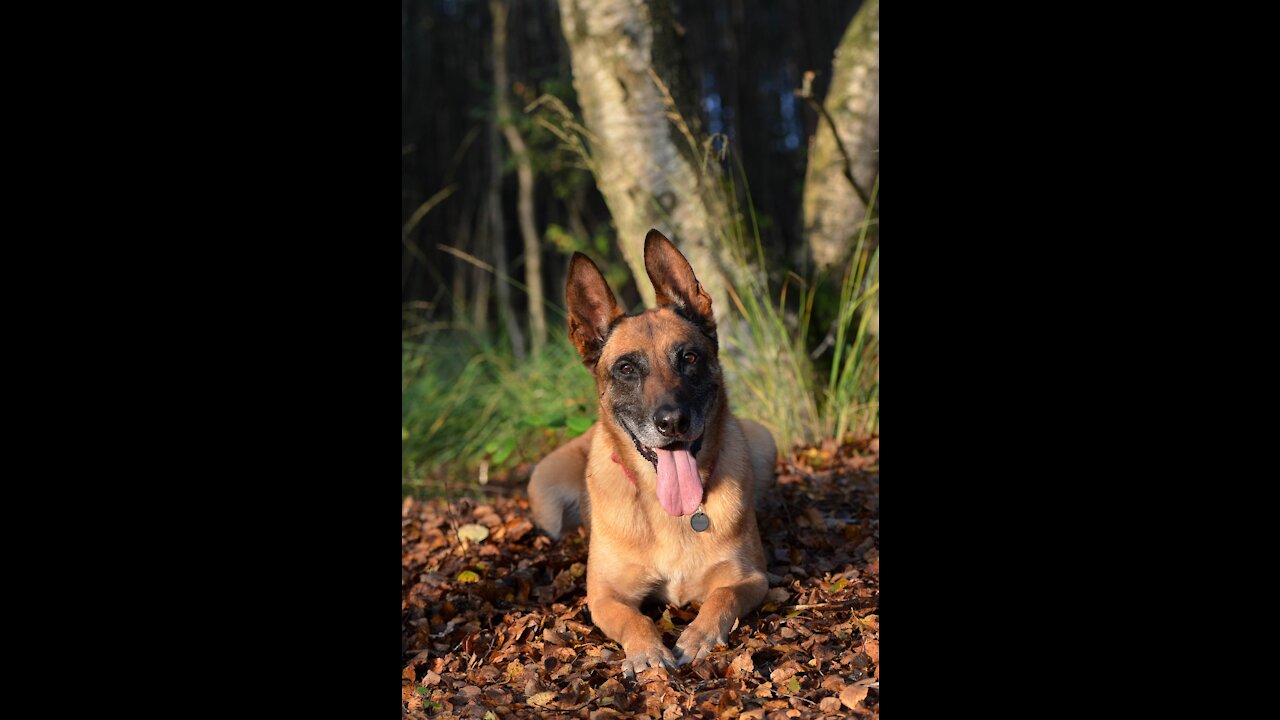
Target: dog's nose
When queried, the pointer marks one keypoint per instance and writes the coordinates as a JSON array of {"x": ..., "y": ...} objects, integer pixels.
[{"x": 671, "y": 420}]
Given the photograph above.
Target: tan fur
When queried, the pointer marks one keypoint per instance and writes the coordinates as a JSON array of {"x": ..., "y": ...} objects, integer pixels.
[
  {"x": 555, "y": 488},
  {"x": 636, "y": 549},
  {"x": 764, "y": 454}
]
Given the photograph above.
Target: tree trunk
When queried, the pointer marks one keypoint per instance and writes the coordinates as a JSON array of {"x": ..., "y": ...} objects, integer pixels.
[
  {"x": 524, "y": 175},
  {"x": 460, "y": 269},
  {"x": 497, "y": 228},
  {"x": 835, "y": 206},
  {"x": 644, "y": 165}
]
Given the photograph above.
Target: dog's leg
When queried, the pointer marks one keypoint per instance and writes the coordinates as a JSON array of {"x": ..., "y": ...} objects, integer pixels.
[
  {"x": 764, "y": 455},
  {"x": 736, "y": 593},
  {"x": 556, "y": 486},
  {"x": 621, "y": 621}
]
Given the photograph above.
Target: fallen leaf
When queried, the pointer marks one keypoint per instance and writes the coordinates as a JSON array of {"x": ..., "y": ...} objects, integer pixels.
[
  {"x": 854, "y": 694},
  {"x": 473, "y": 532},
  {"x": 664, "y": 623},
  {"x": 741, "y": 666},
  {"x": 872, "y": 649},
  {"x": 542, "y": 699}
]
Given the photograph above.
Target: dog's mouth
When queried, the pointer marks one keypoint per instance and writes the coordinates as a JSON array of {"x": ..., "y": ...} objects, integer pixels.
[{"x": 679, "y": 484}]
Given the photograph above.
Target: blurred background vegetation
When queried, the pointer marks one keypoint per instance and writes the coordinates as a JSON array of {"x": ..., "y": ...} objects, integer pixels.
[{"x": 746, "y": 130}]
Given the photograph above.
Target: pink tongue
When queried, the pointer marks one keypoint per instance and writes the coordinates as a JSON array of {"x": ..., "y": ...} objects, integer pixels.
[{"x": 679, "y": 487}]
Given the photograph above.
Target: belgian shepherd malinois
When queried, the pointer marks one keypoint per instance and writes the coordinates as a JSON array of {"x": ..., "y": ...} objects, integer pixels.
[{"x": 666, "y": 480}]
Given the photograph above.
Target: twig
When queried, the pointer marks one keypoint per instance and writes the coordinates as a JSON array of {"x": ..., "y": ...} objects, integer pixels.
[
  {"x": 485, "y": 658},
  {"x": 572, "y": 709},
  {"x": 414, "y": 250},
  {"x": 673, "y": 112},
  {"x": 469, "y": 258},
  {"x": 806, "y": 92},
  {"x": 713, "y": 683},
  {"x": 425, "y": 208},
  {"x": 463, "y": 255},
  {"x": 842, "y": 603},
  {"x": 827, "y": 342}
]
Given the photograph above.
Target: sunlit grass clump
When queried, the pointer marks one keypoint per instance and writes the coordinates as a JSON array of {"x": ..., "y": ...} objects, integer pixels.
[{"x": 470, "y": 410}]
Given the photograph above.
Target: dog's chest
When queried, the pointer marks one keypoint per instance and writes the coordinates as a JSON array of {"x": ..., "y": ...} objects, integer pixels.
[
  {"x": 679, "y": 589},
  {"x": 681, "y": 567}
]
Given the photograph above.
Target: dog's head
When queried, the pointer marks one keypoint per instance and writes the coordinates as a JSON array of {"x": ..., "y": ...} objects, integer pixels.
[{"x": 657, "y": 372}]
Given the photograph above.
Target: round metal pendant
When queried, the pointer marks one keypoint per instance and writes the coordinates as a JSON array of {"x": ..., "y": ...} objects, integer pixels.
[{"x": 700, "y": 522}]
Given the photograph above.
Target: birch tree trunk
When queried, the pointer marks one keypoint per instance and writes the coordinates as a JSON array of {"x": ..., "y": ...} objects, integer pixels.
[
  {"x": 834, "y": 207},
  {"x": 524, "y": 176},
  {"x": 645, "y": 168}
]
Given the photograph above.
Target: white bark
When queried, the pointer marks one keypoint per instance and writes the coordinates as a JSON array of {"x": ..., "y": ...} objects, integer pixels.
[
  {"x": 644, "y": 167},
  {"x": 833, "y": 211}
]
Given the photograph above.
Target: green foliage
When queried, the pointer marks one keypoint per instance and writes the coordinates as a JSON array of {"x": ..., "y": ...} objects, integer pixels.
[
  {"x": 465, "y": 404},
  {"x": 603, "y": 251},
  {"x": 552, "y": 162}
]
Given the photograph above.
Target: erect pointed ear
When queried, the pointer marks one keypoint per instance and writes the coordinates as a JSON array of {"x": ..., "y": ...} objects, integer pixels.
[
  {"x": 674, "y": 282},
  {"x": 592, "y": 308}
]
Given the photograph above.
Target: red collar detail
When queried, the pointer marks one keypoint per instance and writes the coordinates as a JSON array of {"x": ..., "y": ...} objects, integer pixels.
[{"x": 625, "y": 469}]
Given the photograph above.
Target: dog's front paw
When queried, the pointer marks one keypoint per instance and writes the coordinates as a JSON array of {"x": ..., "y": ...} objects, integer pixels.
[
  {"x": 697, "y": 642},
  {"x": 640, "y": 659}
]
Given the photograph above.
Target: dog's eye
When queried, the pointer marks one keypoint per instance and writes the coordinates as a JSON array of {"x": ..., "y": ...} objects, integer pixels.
[
  {"x": 626, "y": 368},
  {"x": 691, "y": 358}
]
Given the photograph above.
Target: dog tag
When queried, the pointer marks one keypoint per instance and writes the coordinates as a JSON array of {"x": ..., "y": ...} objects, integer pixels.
[{"x": 700, "y": 522}]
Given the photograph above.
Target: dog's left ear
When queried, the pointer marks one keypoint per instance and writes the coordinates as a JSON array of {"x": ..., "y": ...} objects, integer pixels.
[{"x": 674, "y": 282}]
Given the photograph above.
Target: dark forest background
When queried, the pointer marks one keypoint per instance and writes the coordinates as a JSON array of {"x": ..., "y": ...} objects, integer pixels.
[
  {"x": 745, "y": 57},
  {"x": 738, "y": 73}
]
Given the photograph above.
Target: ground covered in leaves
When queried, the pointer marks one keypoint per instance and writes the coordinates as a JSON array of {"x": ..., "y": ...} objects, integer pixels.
[{"x": 495, "y": 623}]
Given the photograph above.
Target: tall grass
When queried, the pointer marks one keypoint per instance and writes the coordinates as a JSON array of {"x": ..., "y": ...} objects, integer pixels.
[
  {"x": 765, "y": 354},
  {"x": 852, "y": 401},
  {"x": 468, "y": 408},
  {"x": 770, "y": 355}
]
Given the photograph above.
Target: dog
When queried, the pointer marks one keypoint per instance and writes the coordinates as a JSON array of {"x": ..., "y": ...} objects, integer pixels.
[{"x": 666, "y": 481}]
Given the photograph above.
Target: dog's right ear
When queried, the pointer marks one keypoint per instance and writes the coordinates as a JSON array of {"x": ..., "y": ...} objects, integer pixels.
[{"x": 592, "y": 308}]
